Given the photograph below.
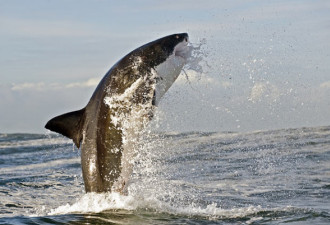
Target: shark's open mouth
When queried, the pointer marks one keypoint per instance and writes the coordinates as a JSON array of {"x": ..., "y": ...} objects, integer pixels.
[{"x": 182, "y": 49}]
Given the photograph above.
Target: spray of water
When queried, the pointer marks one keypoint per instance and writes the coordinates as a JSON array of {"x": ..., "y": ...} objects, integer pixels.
[
  {"x": 151, "y": 184},
  {"x": 158, "y": 180}
]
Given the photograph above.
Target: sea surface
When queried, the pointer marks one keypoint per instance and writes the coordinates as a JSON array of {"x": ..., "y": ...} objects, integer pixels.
[{"x": 262, "y": 177}]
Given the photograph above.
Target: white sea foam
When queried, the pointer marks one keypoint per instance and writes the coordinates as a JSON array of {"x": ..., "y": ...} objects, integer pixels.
[{"x": 96, "y": 203}]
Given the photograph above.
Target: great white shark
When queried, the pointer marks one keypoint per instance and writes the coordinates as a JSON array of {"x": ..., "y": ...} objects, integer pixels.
[{"x": 119, "y": 109}]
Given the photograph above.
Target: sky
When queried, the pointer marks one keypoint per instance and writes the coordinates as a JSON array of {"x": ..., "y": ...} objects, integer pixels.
[{"x": 265, "y": 65}]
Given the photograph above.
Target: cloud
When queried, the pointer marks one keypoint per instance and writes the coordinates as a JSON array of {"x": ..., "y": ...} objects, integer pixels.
[
  {"x": 41, "y": 86},
  {"x": 197, "y": 78},
  {"x": 264, "y": 91},
  {"x": 191, "y": 76},
  {"x": 325, "y": 85},
  {"x": 92, "y": 82},
  {"x": 36, "y": 86}
]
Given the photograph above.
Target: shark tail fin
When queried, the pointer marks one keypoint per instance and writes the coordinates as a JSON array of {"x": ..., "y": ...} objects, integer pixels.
[{"x": 69, "y": 124}]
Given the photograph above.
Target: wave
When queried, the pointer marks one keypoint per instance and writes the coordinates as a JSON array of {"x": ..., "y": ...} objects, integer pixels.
[
  {"x": 30, "y": 140},
  {"x": 249, "y": 177},
  {"x": 48, "y": 164}
]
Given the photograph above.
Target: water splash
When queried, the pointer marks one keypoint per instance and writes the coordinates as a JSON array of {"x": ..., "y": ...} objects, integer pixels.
[
  {"x": 198, "y": 54},
  {"x": 111, "y": 202},
  {"x": 196, "y": 63},
  {"x": 96, "y": 203}
]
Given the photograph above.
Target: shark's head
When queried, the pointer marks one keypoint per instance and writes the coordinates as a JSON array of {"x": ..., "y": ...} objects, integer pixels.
[
  {"x": 162, "y": 59},
  {"x": 175, "y": 44},
  {"x": 166, "y": 56}
]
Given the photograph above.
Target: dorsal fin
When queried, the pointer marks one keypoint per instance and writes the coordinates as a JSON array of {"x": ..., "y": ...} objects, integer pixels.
[{"x": 69, "y": 124}]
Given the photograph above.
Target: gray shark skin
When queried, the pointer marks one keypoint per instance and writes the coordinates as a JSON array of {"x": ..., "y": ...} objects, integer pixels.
[{"x": 120, "y": 107}]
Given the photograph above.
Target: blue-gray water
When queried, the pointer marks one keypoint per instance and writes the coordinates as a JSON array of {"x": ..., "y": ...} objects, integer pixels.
[{"x": 267, "y": 177}]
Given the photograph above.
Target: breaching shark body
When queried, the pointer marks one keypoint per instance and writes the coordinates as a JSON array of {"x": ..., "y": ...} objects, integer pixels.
[{"x": 120, "y": 107}]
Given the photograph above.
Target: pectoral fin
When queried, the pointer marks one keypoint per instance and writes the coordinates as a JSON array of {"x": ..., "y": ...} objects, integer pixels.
[{"x": 69, "y": 124}]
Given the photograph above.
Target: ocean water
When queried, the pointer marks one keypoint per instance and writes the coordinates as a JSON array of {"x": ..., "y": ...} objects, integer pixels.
[{"x": 265, "y": 177}]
